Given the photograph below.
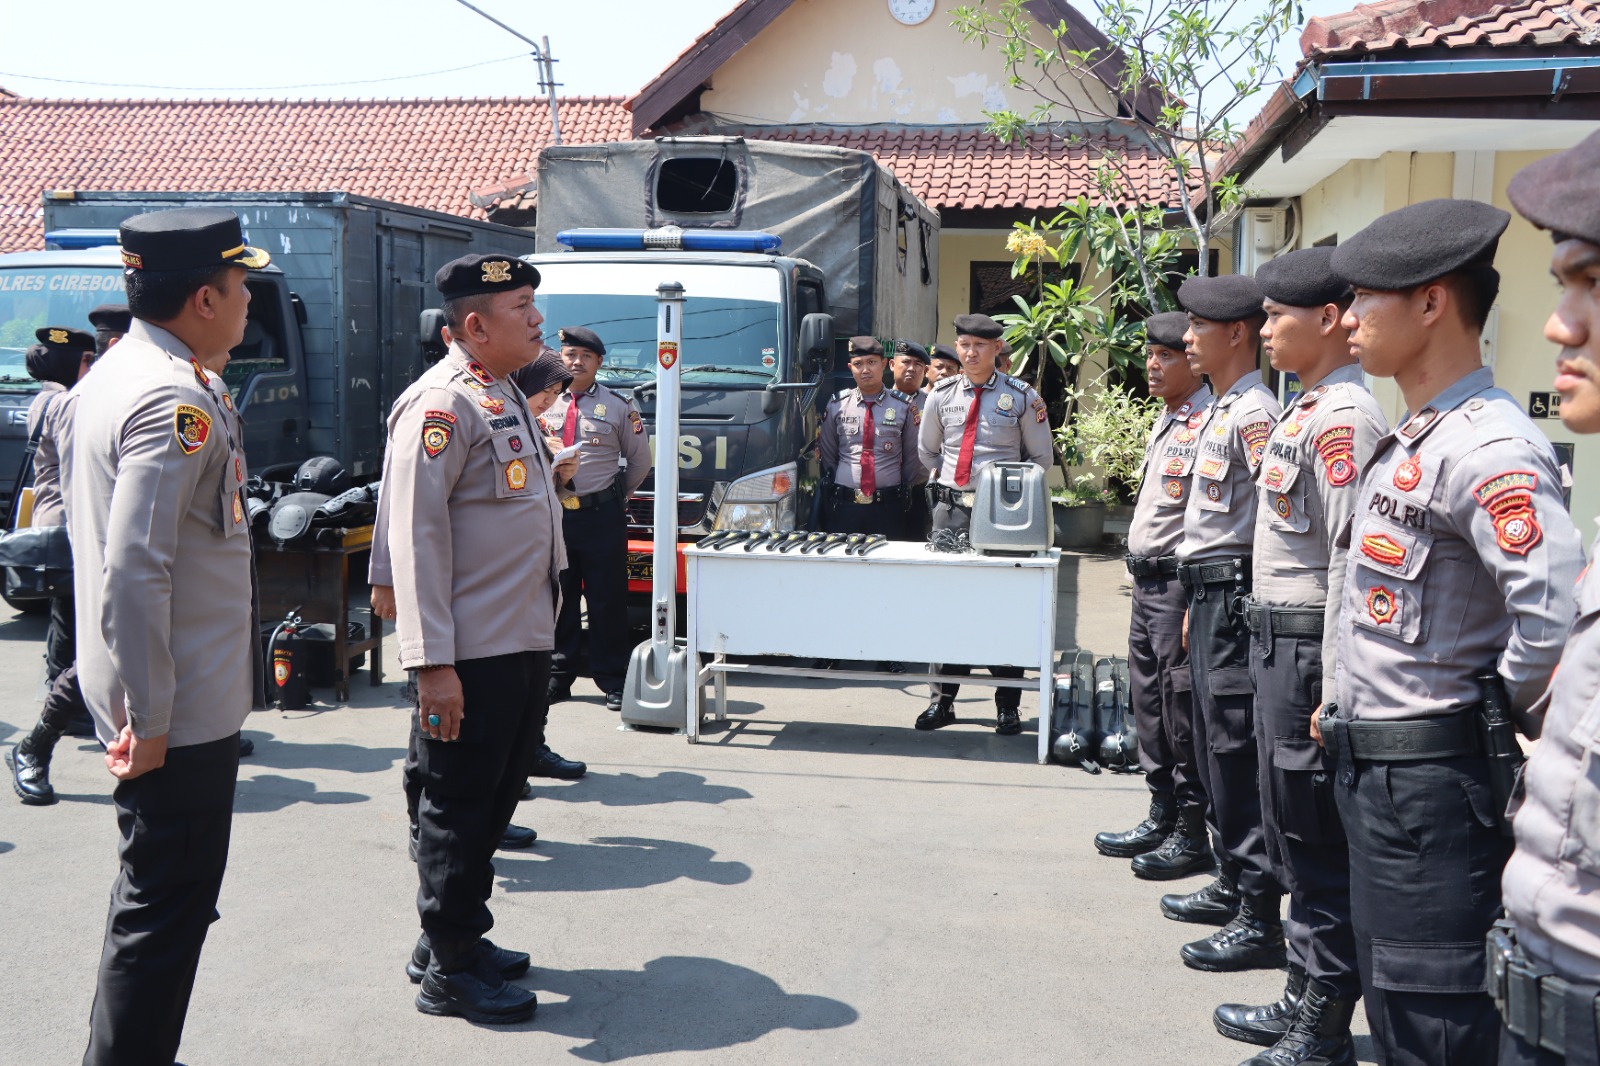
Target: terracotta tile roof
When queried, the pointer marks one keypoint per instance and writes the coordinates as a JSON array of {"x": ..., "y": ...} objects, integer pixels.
[
  {"x": 426, "y": 153},
  {"x": 1452, "y": 24},
  {"x": 963, "y": 167}
]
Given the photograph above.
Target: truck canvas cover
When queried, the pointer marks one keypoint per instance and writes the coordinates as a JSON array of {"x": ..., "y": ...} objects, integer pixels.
[{"x": 836, "y": 208}]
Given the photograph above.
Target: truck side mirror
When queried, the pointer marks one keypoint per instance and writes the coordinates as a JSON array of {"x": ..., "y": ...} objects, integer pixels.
[
  {"x": 816, "y": 340},
  {"x": 430, "y": 330}
]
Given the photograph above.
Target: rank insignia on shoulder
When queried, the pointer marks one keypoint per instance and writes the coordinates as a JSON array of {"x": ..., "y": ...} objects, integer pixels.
[
  {"x": 479, "y": 374},
  {"x": 1005, "y": 403},
  {"x": 1508, "y": 498},
  {"x": 1421, "y": 421},
  {"x": 493, "y": 404},
  {"x": 516, "y": 475},
  {"x": 437, "y": 429},
  {"x": 599, "y": 410},
  {"x": 200, "y": 375},
  {"x": 1183, "y": 412},
  {"x": 1381, "y": 605},
  {"x": 1408, "y": 475},
  {"x": 192, "y": 427}
]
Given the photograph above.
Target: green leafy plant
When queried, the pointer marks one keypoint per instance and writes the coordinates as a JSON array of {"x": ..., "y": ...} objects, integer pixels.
[{"x": 1109, "y": 432}]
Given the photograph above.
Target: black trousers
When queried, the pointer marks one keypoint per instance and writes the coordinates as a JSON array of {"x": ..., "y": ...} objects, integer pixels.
[
  {"x": 948, "y": 516},
  {"x": 597, "y": 568},
  {"x": 1159, "y": 680},
  {"x": 470, "y": 787},
  {"x": 61, "y": 639},
  {"x": 1305, "y": 839},
  {"x": 1224, "y": 727},
  {"x": 175, "y": 824},
  {"x": 887, "y": 517},
  {"x": 1426, "y": 856}
]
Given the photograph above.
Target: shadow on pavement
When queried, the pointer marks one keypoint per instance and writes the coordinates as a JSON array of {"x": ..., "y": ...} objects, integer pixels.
[
  {"x": 26, "y": 627},
  {"x": 265, "y": 793},
  {"x": 632, "y": 790},
  {"x": 971, "y": 737},
  {"x": 675, "y": 1003},
  {"x": 353, "y": 758},
  {"x": 608, "y": 864},
  {"x": 5, "y": 846}
]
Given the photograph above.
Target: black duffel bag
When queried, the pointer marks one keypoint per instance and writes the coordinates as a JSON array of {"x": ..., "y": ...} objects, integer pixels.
[{"x": 38, "y": 562}]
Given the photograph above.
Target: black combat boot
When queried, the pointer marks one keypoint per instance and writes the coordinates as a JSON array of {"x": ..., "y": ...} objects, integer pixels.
[
  {"x": 1147, "y": 836},
  {"x": 1319, "y": 1035},
  {"x": 1185, "y": 851},
  {"x": 30, "y": 766},
  {"x": 940, "y": 713},
  {"x": 484, "y": 998},
  {"x": 1215, "y": 904},
  {"x": 1262, "y": 1025},
  {"x": 1252, "y": 941}
]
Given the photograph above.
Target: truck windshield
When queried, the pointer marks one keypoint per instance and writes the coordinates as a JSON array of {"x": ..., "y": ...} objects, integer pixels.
[
  {"x": 34, "y": 297},
  {"x": 731, "y": 318}
]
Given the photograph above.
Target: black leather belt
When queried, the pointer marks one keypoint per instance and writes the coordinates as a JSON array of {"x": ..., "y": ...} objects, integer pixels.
[
  {"x": 593, "y": 499},
  {"x": 1147, "y": 566},
  {"x": 1232, "y": 571},
  {"x": 843, "y": 494},
  {"x": 1446, "y": 737},
  {"x": 962, "y": 498},
  {"x": 1534, "y": 1002},
  {"x": 1283, "y": 621}
]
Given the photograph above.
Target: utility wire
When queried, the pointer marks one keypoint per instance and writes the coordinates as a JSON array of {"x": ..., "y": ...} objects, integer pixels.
[{"x": 256, "y": 88}]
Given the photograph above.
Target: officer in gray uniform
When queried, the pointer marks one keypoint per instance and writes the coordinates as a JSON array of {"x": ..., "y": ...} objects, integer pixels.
[
  {"x": 909, "y": 368},
  {"x": 168, "y": 658},
  {"x": 1548, "y": 975},
  {"x": 868, "y": 446},
  {"x": 1225, "y": 318},
  {"x": 613, "y": 463},
  {"x": 1457, "y": 598},
  {"x": 1171, "y": 842},
  {"x": 978, "y": 417},
  {"x": 944, "y": 362},
  {"x": 475, "y": 549},
  {"x": 1306, "y": 489}
]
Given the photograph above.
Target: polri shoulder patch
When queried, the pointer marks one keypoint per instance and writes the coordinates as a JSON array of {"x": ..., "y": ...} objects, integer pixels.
[
  {"x": 192, "y": 427},
  {"x": 437, "y": 429}
]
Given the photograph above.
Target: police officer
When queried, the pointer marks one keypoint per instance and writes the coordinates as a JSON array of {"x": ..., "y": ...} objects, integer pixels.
[
  {"x": 1552, "y": 883},
  {"x": 169, "y": 662},
  {"x": 944, "y": 362},
  {"x": 868, "y": 445},
  {"x": 613, "y": 463},
  {"x": 909, "y": 368},
  {"x": 1458, "y": 594},
  {"x": 110, "y": 322},
  {"x": 1306, "y": 489},
  {"x": 1171, "y": 842},
  {"x": 978, "y": 417},
  {"x": 476, "y": 551},
  {"x": 1225, "y": 319},
  {"x": 57, "y": 361}
]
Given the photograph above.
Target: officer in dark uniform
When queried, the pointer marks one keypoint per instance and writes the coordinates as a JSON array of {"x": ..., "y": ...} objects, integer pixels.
[
  {"x": 1457, "y": 598},
  {"x": 1306, "y": 490},
  {"x": 1223, "y": 342},
  {"x": 1174, "y": 835},
  {"x": 909, "y": 368},
  {"x": 168, "y": 655},
  {"x": 613, "y": 463},
  {"x": 981, "y": 416},
  {"x": 1552, "y": 883},
  {"x": 868, "y": 446},
  {"x": 475, "y": 549}
]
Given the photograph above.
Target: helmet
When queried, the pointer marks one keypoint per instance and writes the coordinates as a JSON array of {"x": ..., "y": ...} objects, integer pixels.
[{"x": 322, "y": 473}]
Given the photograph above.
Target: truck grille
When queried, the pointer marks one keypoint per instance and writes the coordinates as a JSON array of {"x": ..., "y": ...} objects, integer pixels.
[{"x": 642, "y": 510}]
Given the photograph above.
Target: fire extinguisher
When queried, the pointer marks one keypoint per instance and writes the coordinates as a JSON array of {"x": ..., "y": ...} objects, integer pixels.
[{"x": 286, "y": 650}]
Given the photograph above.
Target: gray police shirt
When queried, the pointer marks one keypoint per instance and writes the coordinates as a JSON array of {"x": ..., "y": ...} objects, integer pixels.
[
  {"x": 1012, "y": 425},
  {"x": 1462, "y": 560},
  {"x": 1164, "y": 480},
  {"x": 894, "y": 439},
  {"x": 613, "y": 439},
  {"x": 1220, "y": 515}
]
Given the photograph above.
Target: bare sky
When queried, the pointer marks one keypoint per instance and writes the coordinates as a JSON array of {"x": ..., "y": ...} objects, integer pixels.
[{"x": 342, "y": 48}]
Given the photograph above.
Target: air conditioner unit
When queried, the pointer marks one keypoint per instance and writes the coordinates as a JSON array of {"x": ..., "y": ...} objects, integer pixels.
[{"x": 1260, "y": 234}]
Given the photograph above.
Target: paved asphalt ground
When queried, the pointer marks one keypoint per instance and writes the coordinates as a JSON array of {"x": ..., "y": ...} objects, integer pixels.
[{"x": 815, "y": 883}]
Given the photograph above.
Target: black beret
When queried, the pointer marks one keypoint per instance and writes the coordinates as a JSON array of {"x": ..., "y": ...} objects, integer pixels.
[
  {"x": 112, "y": 318},
  {"x": 944, "y": 351},
  {"x": 59, "y": 338},
  {"x": 189, "y": 238},
  {"x": 1420, "y": 243},
  {"x": 912, "y": 349},
  {"x": 540, "y": 374},
  {"x": 1561, "y": 192},
  {"x": 1302, "y": 279},
  {"x": 1166, "y": 329},
  {"x": 579, "y": 337},
  {"x": 865, "y": 346},
  {"x": 475, "y": 275},
  {"x": 1229, "y": 298},
  {"x": 58, "y": 356},
  {"x": 981, "y": 326}
]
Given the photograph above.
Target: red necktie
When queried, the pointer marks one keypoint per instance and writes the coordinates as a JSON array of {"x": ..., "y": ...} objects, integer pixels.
[
  {"x": 869, "y": 464},
  {"x": 569, "y": 431},
  {"x": 969, "y": 437}
]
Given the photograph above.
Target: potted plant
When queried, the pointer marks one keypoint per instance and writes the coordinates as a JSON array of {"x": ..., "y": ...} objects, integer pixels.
[{"x": 1108, "y": 431}]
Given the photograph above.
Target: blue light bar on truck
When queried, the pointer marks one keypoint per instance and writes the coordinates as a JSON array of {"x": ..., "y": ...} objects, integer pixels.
[
  {"x": 69, "y": 240},
  {"x": 668, "y": 238}
]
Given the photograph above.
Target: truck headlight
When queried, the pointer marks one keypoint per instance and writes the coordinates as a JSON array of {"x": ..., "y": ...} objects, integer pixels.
[{"x": 761, "y": 501}]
